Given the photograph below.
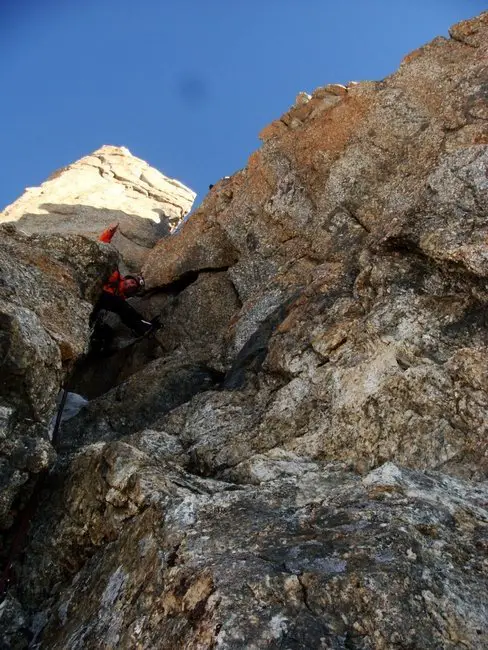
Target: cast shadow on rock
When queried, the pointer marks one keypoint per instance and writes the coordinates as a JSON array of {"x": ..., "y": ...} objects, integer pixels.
[{"x": 91, "y": 221}]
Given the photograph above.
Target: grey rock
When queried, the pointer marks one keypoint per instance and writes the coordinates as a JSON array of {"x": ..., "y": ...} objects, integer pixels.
[
  {"x": 45, "y": 286},
  {"x": 13, "y": 625},
  {"x": 312, "y": 553},
  {"x": 161, "y": 386},
  {"x": 197, "y": 319}
]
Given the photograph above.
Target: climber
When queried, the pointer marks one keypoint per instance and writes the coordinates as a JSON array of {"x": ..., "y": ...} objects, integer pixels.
[
  {"x": 225, "y": 178},
  {"x": 115, "y": 293}
]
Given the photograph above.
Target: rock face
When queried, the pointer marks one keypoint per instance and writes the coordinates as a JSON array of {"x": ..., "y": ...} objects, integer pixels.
[
  {"x": 46, "y": 284},
  {"x": 302, "y": 462},
  {"x": 110, "y": 185},
  {"x": 314, "y": 557},
  {"x": 358, "y": 236}
]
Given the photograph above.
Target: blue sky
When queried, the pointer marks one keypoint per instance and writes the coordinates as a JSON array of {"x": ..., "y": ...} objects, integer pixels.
[{"x": 185, "y": 84}]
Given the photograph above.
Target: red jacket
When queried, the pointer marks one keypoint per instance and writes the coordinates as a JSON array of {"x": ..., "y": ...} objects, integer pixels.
[{"x": 115, "y": 285}]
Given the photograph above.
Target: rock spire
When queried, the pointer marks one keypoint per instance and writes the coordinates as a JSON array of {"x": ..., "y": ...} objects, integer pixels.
[{"x": 109, "y": 185}]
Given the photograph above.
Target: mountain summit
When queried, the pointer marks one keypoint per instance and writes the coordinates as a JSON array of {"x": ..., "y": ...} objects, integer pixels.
[{"x": 110, "y": 185}]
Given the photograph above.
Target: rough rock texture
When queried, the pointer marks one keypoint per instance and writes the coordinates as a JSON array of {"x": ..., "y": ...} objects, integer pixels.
[
  {"x": 359, "y": 236},
  {"x": 110, "y": 185},
  {"x": 313, "y": 557},
  {"x": 156, "y": 389},
  {"x": 196, "y": 318},
  {"x": 45, "y": 287},
  {"x": 306, "y": 464},
  {"x": 202, "y": 247}
]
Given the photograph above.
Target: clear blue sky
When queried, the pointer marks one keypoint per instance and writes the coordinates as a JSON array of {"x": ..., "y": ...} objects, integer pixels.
[{"x": 184, "y": 84}]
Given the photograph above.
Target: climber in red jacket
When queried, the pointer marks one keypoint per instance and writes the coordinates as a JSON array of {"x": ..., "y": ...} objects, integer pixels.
[{"x": 116, "y": 291}]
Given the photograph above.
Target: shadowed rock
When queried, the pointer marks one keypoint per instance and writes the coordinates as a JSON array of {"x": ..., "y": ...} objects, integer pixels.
[
  {"x": 311, "y": 553},
  {"x": 46, "y": 284}
]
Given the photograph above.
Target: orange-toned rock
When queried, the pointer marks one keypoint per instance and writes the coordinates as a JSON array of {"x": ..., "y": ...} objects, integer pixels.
[
  {"x": 201, "y": 245},
  {"x": 471, "y": 32},
  {"x": 338, "y": 211}
]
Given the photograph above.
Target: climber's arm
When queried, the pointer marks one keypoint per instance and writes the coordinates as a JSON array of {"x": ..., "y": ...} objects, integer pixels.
[{"x": 106, "y": 236}]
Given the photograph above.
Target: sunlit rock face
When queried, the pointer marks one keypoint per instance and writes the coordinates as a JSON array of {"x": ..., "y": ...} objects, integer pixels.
[
  {"x": 299, "y": 459},
  {"x": 356, "y": 241},
  {"x": 110, "y": 185}
]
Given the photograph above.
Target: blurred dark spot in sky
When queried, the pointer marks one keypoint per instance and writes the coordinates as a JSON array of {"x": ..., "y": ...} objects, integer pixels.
[
  {"x": 192, "y": 89},
  {"x": 17, "y": 15}
]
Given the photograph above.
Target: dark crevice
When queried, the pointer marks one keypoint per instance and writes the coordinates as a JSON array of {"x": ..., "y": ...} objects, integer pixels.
[
  {"x": 473, "y": 320},
  {"x": 404, "y": 244},
  {"x": 251, "y": 357},
  {"x": 305, "y": 595},
  {"x": 400, "y": 243},
  {"x": 94, "y": 376},
  {"x": 184, "y": 281},
  {"x": 358, "y": 221},
  {"x": 173, "y": 556},
  {"x": 191, "y": 487}
]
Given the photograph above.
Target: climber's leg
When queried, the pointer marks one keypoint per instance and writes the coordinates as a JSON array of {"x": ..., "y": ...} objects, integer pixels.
[{"x": 128, "y": 315}]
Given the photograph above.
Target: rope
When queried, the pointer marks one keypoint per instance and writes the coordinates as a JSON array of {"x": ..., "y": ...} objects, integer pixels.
[{"x": 55, "y": 436}]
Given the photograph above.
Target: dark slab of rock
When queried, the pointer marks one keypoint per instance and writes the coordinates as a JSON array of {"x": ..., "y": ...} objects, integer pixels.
[{"x": 137, "y": 402}]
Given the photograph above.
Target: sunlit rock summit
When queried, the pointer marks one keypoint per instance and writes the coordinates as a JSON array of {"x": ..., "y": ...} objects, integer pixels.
[
  {"x": 110, "y": 185},
  {"x": 299, "y": 457}
]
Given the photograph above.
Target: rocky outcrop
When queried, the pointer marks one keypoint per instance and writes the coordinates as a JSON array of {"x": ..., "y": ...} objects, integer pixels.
[
  {"x": 356, "y": 242},
  {"x": 46, "y": 284},
  {"x": 110, "y": 185},
  {"x": 161, "y": 386},
  {"x": 301, "y": 461},
  {"x": 313, "y": 556}
]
